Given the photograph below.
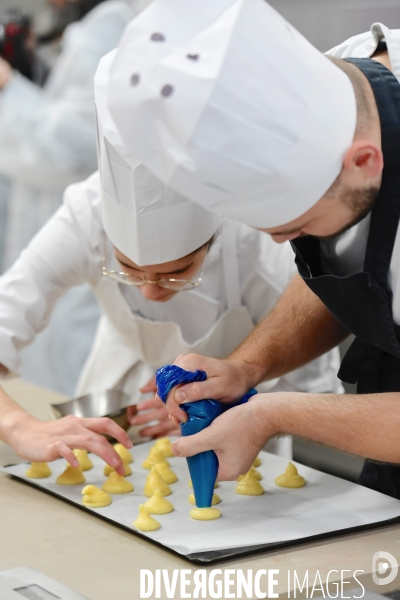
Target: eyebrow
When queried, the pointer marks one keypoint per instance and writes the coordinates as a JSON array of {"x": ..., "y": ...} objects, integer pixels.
[{"x": 177, "y": 272}]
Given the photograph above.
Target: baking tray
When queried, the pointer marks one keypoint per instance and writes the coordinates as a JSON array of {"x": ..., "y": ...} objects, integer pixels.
[{"x": 327, "y": 506}]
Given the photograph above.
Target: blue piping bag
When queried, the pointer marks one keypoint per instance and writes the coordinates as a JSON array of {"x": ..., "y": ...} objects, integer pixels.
[{"x": 203, "y": 467}]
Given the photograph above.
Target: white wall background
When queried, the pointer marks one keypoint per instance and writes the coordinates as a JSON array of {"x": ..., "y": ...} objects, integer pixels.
[{"x": 324, "y": 22}]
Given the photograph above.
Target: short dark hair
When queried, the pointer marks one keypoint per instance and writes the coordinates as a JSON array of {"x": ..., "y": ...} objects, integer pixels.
[{"x": 364, "y": 110}]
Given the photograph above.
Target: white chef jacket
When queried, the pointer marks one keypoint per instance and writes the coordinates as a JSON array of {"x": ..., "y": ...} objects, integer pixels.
[
  {"x": 68, "y": 251},
  {"x": 344, "y": 255},
  {"x": 48, "y": 135}
]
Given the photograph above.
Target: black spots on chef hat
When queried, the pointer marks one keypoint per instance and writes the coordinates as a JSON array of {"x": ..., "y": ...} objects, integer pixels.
[
  {"x": 135, "y": 79},
  {"x": 167, "y": 90},
  {"x": 157, "y": 37}
]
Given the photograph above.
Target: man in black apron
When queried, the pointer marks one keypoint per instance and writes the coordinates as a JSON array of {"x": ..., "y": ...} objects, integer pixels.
[{"x": 361, "y": 303}]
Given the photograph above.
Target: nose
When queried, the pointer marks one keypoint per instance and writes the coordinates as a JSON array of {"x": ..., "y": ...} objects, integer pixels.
[{"x": 151, "y": 291}]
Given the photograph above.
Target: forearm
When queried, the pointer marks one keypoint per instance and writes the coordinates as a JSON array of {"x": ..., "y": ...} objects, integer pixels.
[
  {"x": 44, "y": 441},
  {"x": 365, "y": 425},
  {"x": 299, "y": 329},
  {"x": 11, "y": 415}
]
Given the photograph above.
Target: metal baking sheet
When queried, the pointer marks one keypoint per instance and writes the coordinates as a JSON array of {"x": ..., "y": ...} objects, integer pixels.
[{"x": 326, "y": 506}]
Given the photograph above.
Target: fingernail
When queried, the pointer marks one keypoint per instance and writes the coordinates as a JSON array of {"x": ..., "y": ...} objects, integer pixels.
[
  {"x": 180, "y": 396},
  {"x": 115, "y": 462},
  {"x": 175, "y": 449},
  {"x": 129, "y": 444}
]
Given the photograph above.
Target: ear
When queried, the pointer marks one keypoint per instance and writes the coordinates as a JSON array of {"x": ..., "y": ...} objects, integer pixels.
[{"x": 364, "y": 158}]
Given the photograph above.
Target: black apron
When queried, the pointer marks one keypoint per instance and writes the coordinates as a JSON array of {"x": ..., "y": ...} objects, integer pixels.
[{"x": 362, "y": 303}]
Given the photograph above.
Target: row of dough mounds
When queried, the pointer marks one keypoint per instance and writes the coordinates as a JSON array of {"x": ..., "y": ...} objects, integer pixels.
[{"x": 157, "y": 485}]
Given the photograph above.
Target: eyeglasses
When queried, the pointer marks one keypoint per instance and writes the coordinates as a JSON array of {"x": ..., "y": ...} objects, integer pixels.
[{"x": 172, "y": 283}]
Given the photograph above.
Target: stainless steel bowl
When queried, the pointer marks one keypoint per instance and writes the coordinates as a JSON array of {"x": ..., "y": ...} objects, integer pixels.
[{"x": 109, "y": 403}]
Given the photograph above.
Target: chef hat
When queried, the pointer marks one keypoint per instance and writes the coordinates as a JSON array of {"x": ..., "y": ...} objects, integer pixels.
[
  {"x": 229, "y": 105},
  {"x": 146, "y": 221}
]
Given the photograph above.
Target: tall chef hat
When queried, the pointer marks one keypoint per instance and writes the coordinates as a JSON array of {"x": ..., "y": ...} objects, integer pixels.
[
  {"x": 229, "y": 105},
  {"x": 145, "y": 220}
]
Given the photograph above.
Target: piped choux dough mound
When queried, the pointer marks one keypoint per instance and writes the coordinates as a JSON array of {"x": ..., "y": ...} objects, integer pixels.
[
  {"x": 158, "y": 505},
  {"x": 155, "y": 457},
  {"x": 84, "y": 461},
  {"x": 124, "y": 453},
  {"x": 38, "y": 471},
  {"x": 249, "y": 486},
  {"x": 166, "y": 473},
  {"x": 254, "y": 471},
  {"x": 215, "y": 499},
  {"x": 154, "y": 481},
  {"x": 145, "y": 522},
  {"x": 257, "y": 462},
  {"x": 93, "y": 497},
  {"x": 71, "y": 476},
  {"x": 108, "y": 470},
  {"x": 164, "y": 444},
  {"x": 190, "y": 484},
  {"x": 290, "y": 478},
  {"x": 205, "y": 514},
  {"x": 116, "y": 484}
]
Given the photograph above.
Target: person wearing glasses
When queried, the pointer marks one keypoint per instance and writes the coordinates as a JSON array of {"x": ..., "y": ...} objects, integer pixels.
[{"x": 171, "y": 278}]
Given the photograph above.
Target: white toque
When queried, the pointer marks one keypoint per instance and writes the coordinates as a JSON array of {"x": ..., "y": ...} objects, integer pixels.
[
  {"x": 226, "y": 103},
  {"x": 148, "y": 222}
]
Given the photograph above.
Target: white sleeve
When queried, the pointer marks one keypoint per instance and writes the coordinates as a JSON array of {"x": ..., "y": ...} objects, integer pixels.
[
  {"x": 46, "y": 140},
  {"x": 63, "y": 254},
  {"x": 266, "y": 269}
]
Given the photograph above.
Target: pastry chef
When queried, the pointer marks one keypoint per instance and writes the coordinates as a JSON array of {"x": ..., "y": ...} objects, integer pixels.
[
  {"x": 170, "y": 277},
  {"x": 255, "y": 124}
]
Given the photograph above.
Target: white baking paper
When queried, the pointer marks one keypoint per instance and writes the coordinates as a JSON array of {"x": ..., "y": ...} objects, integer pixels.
[{"x": 326, "y": 504}]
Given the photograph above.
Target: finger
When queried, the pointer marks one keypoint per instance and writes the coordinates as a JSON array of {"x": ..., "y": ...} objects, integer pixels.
[
  {"x": 108, "y": 426},
  {"x": 174, "y": 410},
  {"x": 193, "y": 444},
  {"x": 175, "y": 421},
  {"x": 159, "y": 430},
  {"x": 153, "y": 415},
  {"x": 101, "y": 447},
  {"x": 193, "y": 362},
  {"x": 63, "y": 450},
  {"x": 150, "y": 386},
  {"x": 149, "y": 404},
  {"x": 200, "y": 390}
]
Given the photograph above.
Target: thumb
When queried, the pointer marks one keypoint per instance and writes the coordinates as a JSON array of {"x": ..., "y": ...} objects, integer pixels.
[
  {"x": 193, "y": 444},
  {"x": 199, "y": 390}
]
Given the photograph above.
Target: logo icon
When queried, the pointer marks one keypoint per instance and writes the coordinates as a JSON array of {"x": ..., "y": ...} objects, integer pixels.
[{"x": 384, "y": 562}]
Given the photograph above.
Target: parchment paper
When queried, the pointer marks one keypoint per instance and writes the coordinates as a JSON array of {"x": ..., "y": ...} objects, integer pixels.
[{"x": 325, "y": 505}]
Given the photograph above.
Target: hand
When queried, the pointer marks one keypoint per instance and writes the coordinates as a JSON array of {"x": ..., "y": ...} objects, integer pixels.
[
  {"x": 227, "y": 381},
  {"x": 236, "y": 437},
  {"x": 6, "y": 72},
  {"x": 155, "y": 410},
  {"x": 41, "y": 441}
]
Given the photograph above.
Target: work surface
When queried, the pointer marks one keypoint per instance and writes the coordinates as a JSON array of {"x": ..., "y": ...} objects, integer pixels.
[{"x": 103, "y": 562}]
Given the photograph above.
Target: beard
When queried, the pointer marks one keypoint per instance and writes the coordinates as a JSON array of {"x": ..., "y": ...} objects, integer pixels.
[{"x": 360, "y": 201}]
